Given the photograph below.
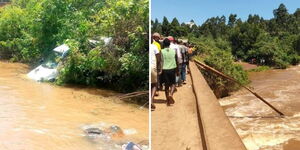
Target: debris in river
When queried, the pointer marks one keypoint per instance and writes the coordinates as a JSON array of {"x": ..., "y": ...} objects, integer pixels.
[
  {"x": 131, "y": 146},
  {"x": 115, "y": 131},
  {"x": 113, "y": 136},
  {"x": 93, "y": 131},
  {"x": 104, "y": 131}
]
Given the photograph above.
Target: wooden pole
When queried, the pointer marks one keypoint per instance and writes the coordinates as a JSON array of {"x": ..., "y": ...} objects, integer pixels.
[
  {"x": 232, "y": 79},
  {"x": 133, "y": 94}
]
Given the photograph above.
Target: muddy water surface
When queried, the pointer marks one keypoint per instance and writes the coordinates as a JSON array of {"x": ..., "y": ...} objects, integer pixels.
[
  {"x": 254, "y": 120},
  {"x": 42, "y": 116}
]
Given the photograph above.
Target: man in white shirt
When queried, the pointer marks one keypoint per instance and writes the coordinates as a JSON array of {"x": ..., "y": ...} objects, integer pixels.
[
  {"x": 176, "y": 47},
  {"x": 154, "y": 62}
]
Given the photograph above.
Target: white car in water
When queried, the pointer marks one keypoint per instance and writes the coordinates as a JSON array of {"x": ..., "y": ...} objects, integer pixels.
[{"x": 47, "y": 71}]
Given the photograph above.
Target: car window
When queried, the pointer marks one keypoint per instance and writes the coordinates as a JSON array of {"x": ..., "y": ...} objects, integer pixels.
[{"x": 52, "y": 60}]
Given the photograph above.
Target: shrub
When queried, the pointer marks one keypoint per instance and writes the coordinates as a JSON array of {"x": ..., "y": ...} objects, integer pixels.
[{"x": 223, "y": 61}]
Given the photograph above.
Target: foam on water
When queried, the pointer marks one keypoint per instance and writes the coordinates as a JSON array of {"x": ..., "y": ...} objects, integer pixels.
[
  {"x": 129, "y": 131},
  {"x": 257, "y": 132},
  {"x": 253, "y": 119}
]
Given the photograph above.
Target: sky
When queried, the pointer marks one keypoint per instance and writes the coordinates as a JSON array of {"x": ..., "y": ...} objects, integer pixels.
[{"x": 201, "y": 10}]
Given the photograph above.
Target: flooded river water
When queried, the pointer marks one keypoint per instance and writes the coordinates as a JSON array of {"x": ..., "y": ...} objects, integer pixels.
[
  {"x": 256, "y": 123},
  {"x": 42, "y": 116}
]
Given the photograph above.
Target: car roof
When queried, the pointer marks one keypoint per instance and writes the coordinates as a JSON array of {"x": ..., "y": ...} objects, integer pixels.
[{"x": 62, "y": 48}]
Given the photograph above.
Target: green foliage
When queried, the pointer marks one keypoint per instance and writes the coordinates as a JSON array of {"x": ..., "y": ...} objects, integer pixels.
[
  {"x": 30, "y": 29},
  {"x": 243, "y": 39},
  {"x": 223, "y": 62},
  {"x": 15, "y": 38},
  {"x": 218, "y": 56},
  {"x": 165, "y": 27},
  {"x": 296, "y": 44}
]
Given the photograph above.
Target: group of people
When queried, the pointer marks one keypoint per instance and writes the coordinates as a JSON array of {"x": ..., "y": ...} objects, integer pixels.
[{"x": 169, "y": 61}]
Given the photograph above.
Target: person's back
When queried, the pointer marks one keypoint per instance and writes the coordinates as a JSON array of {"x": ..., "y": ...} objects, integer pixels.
[
  {"x": 178, "y": 52},
  {"x": 169, "y": 61},
  {"x": 169, "y": 71},
  {"x": 185, "y": 54}
]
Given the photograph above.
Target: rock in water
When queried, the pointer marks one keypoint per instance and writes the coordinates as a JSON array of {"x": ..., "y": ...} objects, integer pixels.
[{"x": 115, "y": 131}]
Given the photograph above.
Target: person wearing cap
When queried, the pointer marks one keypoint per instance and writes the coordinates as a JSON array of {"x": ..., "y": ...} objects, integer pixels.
[
  {"x": 156, "y": 37},
  {"x": 169, "y": 70},
  {"x": 176, "y": 47},
  {"x": 155, "y": 70}
]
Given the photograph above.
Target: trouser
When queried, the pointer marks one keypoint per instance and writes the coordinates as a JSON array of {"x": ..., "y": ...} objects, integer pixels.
[
  {"x": 178, "y": 78},
  {"x": 183, "y": 72}
]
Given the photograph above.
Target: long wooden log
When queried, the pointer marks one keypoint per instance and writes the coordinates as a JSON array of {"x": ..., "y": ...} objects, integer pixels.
[
  {"x": 133, "y": 94},
  {"x": 232, "y": 79}
]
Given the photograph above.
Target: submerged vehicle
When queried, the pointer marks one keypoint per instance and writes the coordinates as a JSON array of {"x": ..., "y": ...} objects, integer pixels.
[{"x": 47, "y": 71}]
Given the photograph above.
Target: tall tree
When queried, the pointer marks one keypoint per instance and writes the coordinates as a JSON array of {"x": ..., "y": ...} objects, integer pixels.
[
  {"x": 281, "y": 17},
  {"x": 175, "y": 28},
  {"x": 156, "y": 26},
  {"x": 232, "y": 20},
  {"x": 165, "y": 26}
]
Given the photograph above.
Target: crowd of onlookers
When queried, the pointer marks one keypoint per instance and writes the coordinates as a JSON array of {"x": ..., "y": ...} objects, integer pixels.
[{"x": 169, "y": 65}]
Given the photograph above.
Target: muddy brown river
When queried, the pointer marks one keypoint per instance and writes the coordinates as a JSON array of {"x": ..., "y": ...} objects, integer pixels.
[
  {"x": 256, "y": 123},
  {"x": 43, "y": 116}
]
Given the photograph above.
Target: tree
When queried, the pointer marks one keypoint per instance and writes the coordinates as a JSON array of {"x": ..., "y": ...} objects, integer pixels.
[
  {"x": 281, "y": 14},
  {"x": 232, "y": 20},
  {"x": 165, "y": 26},
  {"x": 282, "y": 19},
  {"x": 255, "y": 19},
  {"x": 297, "y": 14},
  {"x": 243, "y": 39},
  {"x": 296, "y": 45},
  {"x": 156, "y": 26},
  {"x": 175, "y": 28}
]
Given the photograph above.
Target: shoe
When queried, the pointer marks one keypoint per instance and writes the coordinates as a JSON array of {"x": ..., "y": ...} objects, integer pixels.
[
  {"x": 153, "y": 107},
  {"x": 171, "y": 100}
]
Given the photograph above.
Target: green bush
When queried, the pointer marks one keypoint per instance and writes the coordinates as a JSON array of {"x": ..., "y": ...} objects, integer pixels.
[
  {"x": 29, "y": 30},
  {"x": 223, "y": 62},
  {"x": 220, "y": 59}
]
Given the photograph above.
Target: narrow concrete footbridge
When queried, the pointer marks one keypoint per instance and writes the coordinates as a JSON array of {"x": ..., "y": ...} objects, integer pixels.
[{"x": 195, "y": 122}]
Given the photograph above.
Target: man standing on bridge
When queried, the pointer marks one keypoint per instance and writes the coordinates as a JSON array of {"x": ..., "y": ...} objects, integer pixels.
[
  {"x": 155, "y": 69},
  {"x": 170, "y": 70},
  {"x": 174, "y": 45}
]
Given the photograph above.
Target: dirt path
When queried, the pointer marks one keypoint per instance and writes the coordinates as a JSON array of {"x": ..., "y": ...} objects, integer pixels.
[{"x": 176, "y": 127}]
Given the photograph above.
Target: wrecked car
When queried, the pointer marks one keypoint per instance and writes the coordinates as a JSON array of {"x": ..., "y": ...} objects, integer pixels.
[{"x": 48, "y": 71}]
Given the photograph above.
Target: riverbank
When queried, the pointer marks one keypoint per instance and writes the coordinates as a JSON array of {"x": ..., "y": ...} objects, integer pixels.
[{"x": 43, "y": 116}]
